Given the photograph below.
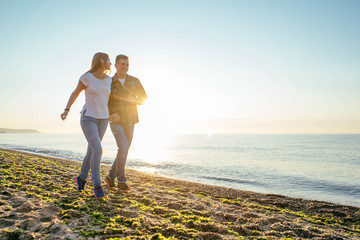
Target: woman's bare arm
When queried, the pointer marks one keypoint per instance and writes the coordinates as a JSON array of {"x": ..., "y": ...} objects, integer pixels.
[{"x": 72, "y": 99}]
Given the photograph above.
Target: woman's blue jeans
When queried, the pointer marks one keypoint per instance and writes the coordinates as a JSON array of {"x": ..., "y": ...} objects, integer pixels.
[{"x": 94, "y": 130}]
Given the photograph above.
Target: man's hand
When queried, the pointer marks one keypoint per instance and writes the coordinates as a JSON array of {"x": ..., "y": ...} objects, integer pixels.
[{"x": 114, "y": 117}]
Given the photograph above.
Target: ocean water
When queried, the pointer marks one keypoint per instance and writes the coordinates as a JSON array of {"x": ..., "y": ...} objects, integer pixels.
[{"x": 322, "y": 167}]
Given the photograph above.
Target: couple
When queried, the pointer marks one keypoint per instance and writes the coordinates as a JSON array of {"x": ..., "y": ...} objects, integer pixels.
[{"x": 107, "y": 98}]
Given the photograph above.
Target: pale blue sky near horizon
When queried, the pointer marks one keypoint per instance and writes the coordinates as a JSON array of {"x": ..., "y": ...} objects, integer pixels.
[{"x": 207, "y": 66}]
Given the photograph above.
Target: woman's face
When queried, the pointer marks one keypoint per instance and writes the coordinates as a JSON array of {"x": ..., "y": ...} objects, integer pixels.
[{"x": 107, "y": 64}]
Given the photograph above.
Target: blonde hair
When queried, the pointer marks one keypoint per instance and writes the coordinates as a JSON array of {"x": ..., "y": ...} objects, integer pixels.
[{"x": 96, "y": 63}]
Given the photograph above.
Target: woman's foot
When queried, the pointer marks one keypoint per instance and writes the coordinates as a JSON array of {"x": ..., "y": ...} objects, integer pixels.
[
  {"x": 80, "y": 184},
  {"x": 99, "y": 193}
]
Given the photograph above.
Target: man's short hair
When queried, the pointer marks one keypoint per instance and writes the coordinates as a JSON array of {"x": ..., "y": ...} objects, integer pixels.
[{"x": 121, "y": 56}]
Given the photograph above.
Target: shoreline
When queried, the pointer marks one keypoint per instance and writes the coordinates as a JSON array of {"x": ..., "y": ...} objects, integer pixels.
[
  {"x": 156, "y": 205},
  {"x": 186, "y": 182},
  {"x": 178, "y": 179}
]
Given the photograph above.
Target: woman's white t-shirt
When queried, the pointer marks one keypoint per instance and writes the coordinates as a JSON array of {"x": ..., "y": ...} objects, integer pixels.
[{"x": 97, "y": 93}]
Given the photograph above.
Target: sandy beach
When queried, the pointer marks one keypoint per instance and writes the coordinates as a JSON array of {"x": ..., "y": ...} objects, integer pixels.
[{"x": 38, "y": 200}]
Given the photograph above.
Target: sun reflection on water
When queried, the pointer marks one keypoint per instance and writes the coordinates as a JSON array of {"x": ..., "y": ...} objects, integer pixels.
[{"x": 151, "y": 148}]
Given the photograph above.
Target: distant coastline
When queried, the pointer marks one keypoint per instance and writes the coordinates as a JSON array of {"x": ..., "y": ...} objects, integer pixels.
[{"x": 9, "y": 130}]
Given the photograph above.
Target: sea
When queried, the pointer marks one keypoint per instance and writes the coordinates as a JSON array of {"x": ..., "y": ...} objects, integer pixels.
[{"x": 323, "y": 167}]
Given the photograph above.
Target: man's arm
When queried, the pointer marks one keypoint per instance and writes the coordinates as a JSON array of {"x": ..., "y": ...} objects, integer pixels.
[
  {"x": 114, "y": 116},
  {"x": 111, "y": 104},
  {"x": 140, "y": 93}
]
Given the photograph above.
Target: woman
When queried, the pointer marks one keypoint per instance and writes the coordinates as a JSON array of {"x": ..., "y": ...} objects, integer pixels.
[{"x": 94, "y": 118}]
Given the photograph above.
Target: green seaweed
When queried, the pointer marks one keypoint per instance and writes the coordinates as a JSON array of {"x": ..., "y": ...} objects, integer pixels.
[{"x": 140, "y": 216}]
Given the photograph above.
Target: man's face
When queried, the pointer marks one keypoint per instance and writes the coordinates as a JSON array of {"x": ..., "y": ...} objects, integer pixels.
[{"x": 122, "y": 66}]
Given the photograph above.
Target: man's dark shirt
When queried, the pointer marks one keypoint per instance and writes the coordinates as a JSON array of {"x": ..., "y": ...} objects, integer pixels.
[{"x": 124, "y": 99}]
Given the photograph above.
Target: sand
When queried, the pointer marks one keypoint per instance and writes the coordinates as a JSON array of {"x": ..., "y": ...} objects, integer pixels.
[{"x": 38, "y": 200}]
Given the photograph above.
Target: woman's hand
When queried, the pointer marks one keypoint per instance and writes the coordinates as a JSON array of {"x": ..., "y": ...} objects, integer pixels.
[
  {"x": 114, "y": 117},
  {"x": 64, "y": 115},
  {"x": 81, "y": 86}
]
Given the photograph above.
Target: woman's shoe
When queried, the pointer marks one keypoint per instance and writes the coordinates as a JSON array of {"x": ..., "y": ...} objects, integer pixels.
[
  {"x": 80, "y": 184},
  {"x": 99, "y": 193}
]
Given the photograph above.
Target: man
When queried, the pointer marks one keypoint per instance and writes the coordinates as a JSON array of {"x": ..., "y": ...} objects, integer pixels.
[{"x": 126, "y": 93}]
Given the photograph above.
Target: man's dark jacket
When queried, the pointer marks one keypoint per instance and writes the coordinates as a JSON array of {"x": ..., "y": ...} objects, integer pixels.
[{"x": 124, "y": 99}]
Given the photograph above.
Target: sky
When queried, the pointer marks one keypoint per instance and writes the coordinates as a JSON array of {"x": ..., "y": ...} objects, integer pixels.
[{"x": 208, "y": 67}]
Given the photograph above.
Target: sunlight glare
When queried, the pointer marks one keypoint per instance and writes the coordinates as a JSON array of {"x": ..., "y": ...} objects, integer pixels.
[{"x": 152, "y": 143}]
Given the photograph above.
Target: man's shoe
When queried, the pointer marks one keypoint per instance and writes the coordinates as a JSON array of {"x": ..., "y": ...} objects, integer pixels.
[
  {"x": 123, "y": 187},
  {"x": 80, "y": 184},
  {"x": 99, "y": 193},
  {"x": 109, "y": 182}
]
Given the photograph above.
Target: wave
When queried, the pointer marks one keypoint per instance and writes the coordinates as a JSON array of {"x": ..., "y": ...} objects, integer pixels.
[
  {"x": 233, "y": 180},
  {"x": 45, "y": 152}
]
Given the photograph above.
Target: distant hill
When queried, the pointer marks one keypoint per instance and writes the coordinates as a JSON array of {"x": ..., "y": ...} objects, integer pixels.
[{"x": 8, "y": 130}]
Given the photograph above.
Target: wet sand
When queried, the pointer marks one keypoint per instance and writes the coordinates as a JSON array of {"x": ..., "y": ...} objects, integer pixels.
[{"x": 38, "y": 200}]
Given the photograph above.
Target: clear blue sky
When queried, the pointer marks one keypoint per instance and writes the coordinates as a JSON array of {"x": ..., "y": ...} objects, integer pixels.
[{"x": 207, "y": 66}]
